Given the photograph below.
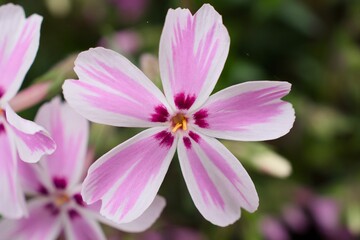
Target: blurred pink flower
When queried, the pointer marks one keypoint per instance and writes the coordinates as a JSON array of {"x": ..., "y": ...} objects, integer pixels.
[
  {"x": 19, "y": 42},
  {"x": 126, "y": 42},
  {"x": 55, "y": 184},
  {"x": 111, "y": 90},
  {"x": 311, "y": 216},
  {"x": 173, "y": 232},
  {"x": 131, "y": 10}
]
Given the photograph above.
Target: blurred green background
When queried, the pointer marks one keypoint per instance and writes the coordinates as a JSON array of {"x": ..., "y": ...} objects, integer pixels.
[{"x": 315, "y": 45}]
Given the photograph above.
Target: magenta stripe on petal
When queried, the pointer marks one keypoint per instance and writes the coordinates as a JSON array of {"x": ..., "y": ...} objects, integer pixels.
[
  {"x": 2, "y": 128},
  {"x": 73, "y": 214},
  {"x": 224, "y": 167},
  {"x": 246, "y": 109},
  {"x": 127, "y": 178},
  {"x": 192, "y": 54},
  {"x": 203, "y": 180},
  {"x": 166, "y": 138},
  {"x": 59, "y": 182},
  {"x": 183, "y": 101},
  {"x": 194, "y": 136},
  {"x": 187, "y": 142},
  {"x": 200, "y": 118},
  {"x": 161, "y": 114},
  {"x": 2, "y": 91}
]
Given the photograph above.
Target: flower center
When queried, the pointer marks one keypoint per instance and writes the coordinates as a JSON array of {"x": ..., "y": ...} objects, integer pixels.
[
  {"x": 61, "y": 200},
  {"x": 179, "y": 121}
]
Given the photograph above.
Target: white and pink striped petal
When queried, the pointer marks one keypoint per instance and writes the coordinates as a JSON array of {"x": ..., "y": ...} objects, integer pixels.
[
  {"x": 41, "y": 224},
  {"x": 111, "y": 90},
  {"x": 78, "y": 226},
  {"x": 69, "y": 130},
  {"x": 32, "y": 178},
  {"x": 128, "y": 177},
  {"x": 19, "y": 42},
  {"x": 140, "y": 224},
  {"x": 217, "y": 182},
  {"x": 251, "y": 111},
  {"x": 32, "y": 141},
  {"x": 192, "y": 54},
  {"x": 12, "y": 201}
]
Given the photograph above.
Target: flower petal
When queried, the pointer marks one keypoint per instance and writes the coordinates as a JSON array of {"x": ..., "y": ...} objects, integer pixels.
[
  {"x": 128, "y": 177},
  {"x": 12, "y": 200},
  {"x": 111, "y": 90},
  {"x": 41, "y": 224},
  {"x": 193, "y": 50},
  {"x": 216, "y": 180},
  {"x": 32, "y": 141},
  {"x": 251, "y": 111},
  {"x": 140, "y": 224},
  {"x": 78, "y": 226},
  {"x": 70, "y": 131},
  {"x": 19, "y": 42},
  {"x": 33, "y": 181}
]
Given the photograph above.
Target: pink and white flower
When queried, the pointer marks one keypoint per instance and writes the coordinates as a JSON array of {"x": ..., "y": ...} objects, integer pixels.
[
  {"x": 19, "y": 42},
  {"x": 55, "y": 183},
  {"x": 111, "y": 90}
]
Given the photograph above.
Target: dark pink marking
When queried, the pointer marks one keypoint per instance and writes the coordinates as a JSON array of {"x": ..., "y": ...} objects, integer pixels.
[
  {"x": 184, "y": 102},
  {"x": 73, "y": 213},
  {"x": 187, "y": 142},
  {"x": 194, "y": 136},
  {"x": 161, "y": 114},
  {"x": 2, "y": 128},
  {"x": 59, "y": 182},
  {"x": 43, "y": 190},
  {"x": 200, "y": 117},
  {"x": 52, "y": 208},
  {"x": 165, "y": 138},
  {"x": 78, "y": 199},
  {"x": 2, "y": 91}
]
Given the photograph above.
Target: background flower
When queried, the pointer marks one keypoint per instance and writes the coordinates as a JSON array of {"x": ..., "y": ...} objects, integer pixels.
[
  {"x": 314, "y": 45},
  {"x": 56, "y": 205},
  {"x": 19, "y": 42}
]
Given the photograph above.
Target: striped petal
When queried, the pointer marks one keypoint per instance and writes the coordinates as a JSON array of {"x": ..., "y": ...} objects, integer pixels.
[
  {"x": 128, "y": 177},
  {"x": 19, "y": 42},
  {"x": 12, "y": 201},
  {"x": 140, "y": 224},
  {"x": 41, "y": 224},
  {"x": 32, "y": 178},
  {"x": 32, "y": 141},
  {"x": 69, "y": 130},
  {"x": 193, "y": 50},
  {"x": 251, "y": 111},
  {"x": 111, "y": 90},
  {"x": 217, "y": 182},
  {"x": 78, "y": 226}
]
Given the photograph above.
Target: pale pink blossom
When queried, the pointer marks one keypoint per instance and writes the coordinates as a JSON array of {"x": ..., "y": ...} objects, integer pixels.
[
  {"x": 19, "y": 42},
  {"x": 111, "y": 90},
  {"x": 54, "y": 183}
]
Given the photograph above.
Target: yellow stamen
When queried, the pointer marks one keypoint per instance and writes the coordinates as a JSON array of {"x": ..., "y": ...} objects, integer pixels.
[
  {"x": 61, "y": 200},
  {"x": 177, "y": 126},
  {"x": 184, "y": 124}
]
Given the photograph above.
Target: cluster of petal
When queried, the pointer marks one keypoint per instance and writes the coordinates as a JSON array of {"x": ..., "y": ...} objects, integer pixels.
[
  {"x": 193, "y": 51},
  {"x": 19, "y": 42},
  {"x": 54, "y": 183}
]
